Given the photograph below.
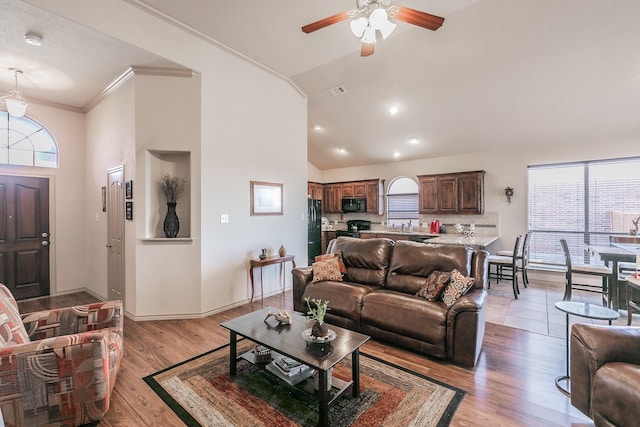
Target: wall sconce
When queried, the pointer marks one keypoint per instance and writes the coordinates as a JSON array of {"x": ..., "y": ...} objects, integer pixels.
[{"x": 509, "y": 193}]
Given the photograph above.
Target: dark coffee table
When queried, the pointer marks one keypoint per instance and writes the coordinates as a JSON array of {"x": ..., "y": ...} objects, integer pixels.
[{"x": 288, "y": 341}]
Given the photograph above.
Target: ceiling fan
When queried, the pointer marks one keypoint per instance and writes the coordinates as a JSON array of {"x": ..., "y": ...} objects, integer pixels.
[{"x": 372, "y": 16}]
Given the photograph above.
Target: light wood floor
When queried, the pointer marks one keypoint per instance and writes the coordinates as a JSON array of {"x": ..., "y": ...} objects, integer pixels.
[{"x": 512, "y": 385}]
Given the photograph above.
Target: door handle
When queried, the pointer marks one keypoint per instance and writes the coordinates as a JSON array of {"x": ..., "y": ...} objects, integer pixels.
[
  {"x": 45, "y": 243},
  {"x": 108, "y": 246}
]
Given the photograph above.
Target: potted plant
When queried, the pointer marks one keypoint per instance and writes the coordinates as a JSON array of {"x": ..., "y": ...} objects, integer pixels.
[
  {"x": 172, "y": 188},
  {"x": 319, "y": 329}
]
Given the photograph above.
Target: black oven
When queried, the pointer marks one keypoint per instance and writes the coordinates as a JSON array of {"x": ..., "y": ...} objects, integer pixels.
[{"x": 354, "y": 205}]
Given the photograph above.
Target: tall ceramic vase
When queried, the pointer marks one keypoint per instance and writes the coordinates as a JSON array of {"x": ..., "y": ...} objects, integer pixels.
[{"x": 171, "y": 222}]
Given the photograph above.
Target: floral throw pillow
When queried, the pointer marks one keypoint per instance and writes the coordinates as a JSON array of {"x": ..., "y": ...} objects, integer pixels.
[
  {"x": 338, "y": 255},
  {"x": 457, "y": 287},
  {"x": 433, "y": 285},
  {"x": 328, "y": 269}
]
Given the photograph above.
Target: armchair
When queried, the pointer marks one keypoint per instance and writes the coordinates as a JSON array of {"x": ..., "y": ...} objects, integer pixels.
[
  {"x": 605, "y": 373},
  {"x": 58, "y": 366}
]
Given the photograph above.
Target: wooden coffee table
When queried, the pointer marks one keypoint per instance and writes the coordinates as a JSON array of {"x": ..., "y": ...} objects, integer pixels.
[{"x": 288, "y": 341}]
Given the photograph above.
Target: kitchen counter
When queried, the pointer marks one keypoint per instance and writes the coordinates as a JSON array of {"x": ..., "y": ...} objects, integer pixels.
[{"x": 476, "y": 242}]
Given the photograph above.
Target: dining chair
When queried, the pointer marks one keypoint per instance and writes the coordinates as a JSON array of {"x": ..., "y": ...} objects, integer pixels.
[
  {"x": 523, "y": 256},
  {"x": 506, "y": 267},
  {"x": 585, "y": 269}
]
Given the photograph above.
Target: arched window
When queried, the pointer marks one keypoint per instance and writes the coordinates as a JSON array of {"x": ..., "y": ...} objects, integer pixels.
[
  {"x": 402, "y": 201},
  {"x": 25, "y": 142}
]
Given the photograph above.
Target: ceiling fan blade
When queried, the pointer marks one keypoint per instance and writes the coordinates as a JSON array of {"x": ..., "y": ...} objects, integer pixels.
[
  {"x": 421, "y": 19},
  {"x": 334, "y": 19},
  {"x": 366, "y": 49}
]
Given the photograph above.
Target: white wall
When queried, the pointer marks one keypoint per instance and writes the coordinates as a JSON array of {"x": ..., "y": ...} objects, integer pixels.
[
  {"x": 503, "y": 168},
  {"x": 67, "y": 195}
]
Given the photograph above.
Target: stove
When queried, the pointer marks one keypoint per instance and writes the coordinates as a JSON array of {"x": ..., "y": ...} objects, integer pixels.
[{"x": 354, "y": 227}]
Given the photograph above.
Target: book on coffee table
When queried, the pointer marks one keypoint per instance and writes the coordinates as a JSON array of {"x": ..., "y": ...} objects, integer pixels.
[{"x": 291, "y": 379}]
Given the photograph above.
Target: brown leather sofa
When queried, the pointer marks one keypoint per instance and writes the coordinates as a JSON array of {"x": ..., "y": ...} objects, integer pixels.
[
  {"x": 605, "y": 373},
  {"x": 378, "y": 296}
]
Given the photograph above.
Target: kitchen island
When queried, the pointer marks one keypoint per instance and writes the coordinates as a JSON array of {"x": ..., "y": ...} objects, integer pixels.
[{"x": 475, "y": 242}]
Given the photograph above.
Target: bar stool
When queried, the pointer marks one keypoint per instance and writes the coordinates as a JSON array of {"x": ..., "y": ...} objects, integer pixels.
[
  {"x": 506, "y": 267},
  {"x": 523, "y": 257},
  {"x": 587, "y": 269}
]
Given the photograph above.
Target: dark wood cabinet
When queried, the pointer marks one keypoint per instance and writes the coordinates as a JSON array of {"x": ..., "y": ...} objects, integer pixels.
[
  {"x": 372, "y": 190},
  {"x": 347, "y": 190},
  {"x": 315, "y": 191},
  {"x": 359, "y": 189},
  {"x": 375, "y": 196},
  {"x": 452, "y": 193}
]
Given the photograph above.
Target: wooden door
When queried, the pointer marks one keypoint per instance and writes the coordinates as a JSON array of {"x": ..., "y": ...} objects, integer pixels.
[
  {"x": 428, "y": 195},
  {"x": 24, "y": 236},
  {"x": 115, "y": 234}
]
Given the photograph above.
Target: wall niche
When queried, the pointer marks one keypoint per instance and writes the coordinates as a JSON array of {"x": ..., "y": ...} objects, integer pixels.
[{"x": 159, "y": 163}]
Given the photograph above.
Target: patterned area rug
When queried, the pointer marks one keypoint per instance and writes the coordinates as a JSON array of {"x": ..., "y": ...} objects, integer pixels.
[{"x": 201, "y": 393}]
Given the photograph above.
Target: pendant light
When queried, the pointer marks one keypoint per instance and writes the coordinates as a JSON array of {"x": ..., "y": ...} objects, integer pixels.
[{"x": 16, "y": 105}]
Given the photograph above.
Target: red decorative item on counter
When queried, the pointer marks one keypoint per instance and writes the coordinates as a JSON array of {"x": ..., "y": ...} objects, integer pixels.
[{"x": 434, "y": 227}]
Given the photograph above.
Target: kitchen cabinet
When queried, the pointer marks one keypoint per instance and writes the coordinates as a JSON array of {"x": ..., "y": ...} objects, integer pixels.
[
  {"x": 315, "y": 191},
  {"x": 372, "y": 190},
  {"x": 452, "y": 193}
]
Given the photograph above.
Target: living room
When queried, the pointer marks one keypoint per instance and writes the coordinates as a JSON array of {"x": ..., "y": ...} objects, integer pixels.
[{"x": 240, "y": 122}]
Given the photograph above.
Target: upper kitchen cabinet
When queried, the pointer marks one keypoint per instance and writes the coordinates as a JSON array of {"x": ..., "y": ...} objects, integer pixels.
[
  {"x": 452, "y": 193},
  {"x": 375, "y": 196},
  {"x": 372, "y": 190},
  {"x": 315, "y": 191},
  {"x": 332, "y": 201}
]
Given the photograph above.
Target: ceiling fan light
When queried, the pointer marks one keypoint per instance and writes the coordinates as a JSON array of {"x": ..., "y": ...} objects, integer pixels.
[
  {"x": 380, "y": 21},
  {"x": 369, "y": 36},
  {"x": 16, "y": 107},
  {"x": 358, "y": 26}
]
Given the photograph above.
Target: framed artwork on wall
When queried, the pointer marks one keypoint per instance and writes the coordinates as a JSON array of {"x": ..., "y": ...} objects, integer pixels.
[
  {"x": 128, "y": 211},
  {"x": 128, "y": 189},
  {"x": 266, "y": 198}
]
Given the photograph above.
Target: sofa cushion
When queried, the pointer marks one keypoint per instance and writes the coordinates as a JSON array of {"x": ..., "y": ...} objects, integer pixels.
[
  {"x": 434, "y": 285},
  {"x": 12, "y": 330},
  {"x": 616, "y": 385},
  {"x": 413, "y": 262},
  {"x": 329, "y": 269},
  {"x": 367, "y": 260},
  {"x": 338, "y": 255},
  {"x": 458, "y": 285},
  {"x": 345, "y": 298},
  {"x": 406, "y": 315}
]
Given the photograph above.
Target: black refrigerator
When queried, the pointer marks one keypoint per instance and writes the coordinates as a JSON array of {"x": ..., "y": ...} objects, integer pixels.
[{"x": 314, "y": 220}]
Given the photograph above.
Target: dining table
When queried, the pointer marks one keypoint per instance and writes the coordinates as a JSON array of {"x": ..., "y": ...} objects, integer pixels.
[{"x": 615, "y": 253}]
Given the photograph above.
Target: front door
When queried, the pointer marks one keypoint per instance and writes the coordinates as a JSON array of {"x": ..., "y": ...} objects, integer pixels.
[
  {"x": 24, "y": 235},
  {"x": 115, "y": 234}
]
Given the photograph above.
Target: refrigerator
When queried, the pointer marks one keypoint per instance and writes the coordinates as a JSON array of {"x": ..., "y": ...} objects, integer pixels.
[{"x": 314, "y": 221}]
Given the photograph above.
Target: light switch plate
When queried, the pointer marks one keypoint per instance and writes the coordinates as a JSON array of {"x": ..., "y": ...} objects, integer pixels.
[{"x": 224, "y": 218}]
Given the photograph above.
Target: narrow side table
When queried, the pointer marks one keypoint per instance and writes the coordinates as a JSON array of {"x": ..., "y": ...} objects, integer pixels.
[
  {"x": 268, "y": 261},
  {"x": 581, "y": 309}
]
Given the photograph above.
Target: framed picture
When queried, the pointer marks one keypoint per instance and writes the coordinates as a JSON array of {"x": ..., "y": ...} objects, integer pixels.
[
  {"x": 128, "y": 211},
  {"x": 128, "y": 189},
  {"x": 266, "y": 198}
]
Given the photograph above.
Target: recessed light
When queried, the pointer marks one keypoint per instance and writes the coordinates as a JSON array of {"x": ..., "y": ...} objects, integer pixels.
[
  {"x": 317, "y": 128},
  {"x": 413, "y": 140},
  {"x": 394, "y": 109},
  {"x": 342, "y": 151},
  {"x": 33, "y": 39},
  {"x": 396, "y": 154}
]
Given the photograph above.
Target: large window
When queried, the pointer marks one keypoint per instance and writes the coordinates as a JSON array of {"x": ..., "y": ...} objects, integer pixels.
[
  {"x": 402, "y": 202},
  {"x": 582, "y": 202},
  {"x": 25, "y": 142}
]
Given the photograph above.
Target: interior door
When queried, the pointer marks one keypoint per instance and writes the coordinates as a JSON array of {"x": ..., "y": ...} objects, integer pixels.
[
  {"x": 115, "y": 234},
  {"x": 24, "y": 236}
]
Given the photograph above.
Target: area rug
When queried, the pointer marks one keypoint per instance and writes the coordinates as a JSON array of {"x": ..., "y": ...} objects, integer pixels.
[{"x": 201, "y": 393}]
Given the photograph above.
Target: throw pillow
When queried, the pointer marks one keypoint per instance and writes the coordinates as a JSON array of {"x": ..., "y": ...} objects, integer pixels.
[
  {"x": 338, "y": 255},
  {"x": 457, "y": 287},
  {"x": 433, "y": 285},
  {"x": 328, "y": 269}
]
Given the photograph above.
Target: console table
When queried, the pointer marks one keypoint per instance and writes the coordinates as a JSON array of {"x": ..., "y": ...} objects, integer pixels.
[{"x": 268, "y": 261}]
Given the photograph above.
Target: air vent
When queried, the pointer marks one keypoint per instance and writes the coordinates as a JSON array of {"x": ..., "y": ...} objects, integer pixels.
[{"x": 337, "y": 90}]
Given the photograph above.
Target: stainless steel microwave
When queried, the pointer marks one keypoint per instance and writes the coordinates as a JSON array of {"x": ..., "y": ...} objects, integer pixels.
[{"x": 354, "y": 205}]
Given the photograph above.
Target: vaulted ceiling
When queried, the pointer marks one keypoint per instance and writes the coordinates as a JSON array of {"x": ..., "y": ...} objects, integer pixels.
[{"x": 498, "y": 73}]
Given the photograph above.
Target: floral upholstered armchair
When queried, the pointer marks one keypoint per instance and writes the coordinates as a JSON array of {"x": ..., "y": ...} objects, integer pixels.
[{"x": 58, "y": 367}]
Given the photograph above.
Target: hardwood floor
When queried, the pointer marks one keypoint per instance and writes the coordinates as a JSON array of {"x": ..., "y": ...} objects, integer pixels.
[{"x": 512, "y": 385}]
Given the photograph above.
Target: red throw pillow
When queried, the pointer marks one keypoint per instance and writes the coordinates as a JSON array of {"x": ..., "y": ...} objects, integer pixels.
[
  {"x": 457, "y": 287},
  {"x": 433, "y": 285},
  {"x": 328, "y": 269},
  {"x": 338, "y": 255}
]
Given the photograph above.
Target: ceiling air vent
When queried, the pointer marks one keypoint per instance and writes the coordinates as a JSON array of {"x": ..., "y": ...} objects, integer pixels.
[{"x": 337, "y": 90}]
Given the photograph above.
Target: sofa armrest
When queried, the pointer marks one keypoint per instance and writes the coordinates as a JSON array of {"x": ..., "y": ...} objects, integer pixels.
[
  {"x": 72, "y": 320},
  {"x": 591, "y": 347},
  {"x": 465, "y": 327},
  {"x": 301, "y": 277}
]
